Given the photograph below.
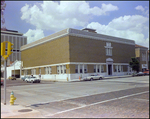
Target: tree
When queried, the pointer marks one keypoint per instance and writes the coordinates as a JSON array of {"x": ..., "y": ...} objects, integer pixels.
[{"x": 134, "y": 64}]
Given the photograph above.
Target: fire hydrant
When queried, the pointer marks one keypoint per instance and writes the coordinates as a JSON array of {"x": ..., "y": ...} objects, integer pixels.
[{"x": 12, "y": 98}]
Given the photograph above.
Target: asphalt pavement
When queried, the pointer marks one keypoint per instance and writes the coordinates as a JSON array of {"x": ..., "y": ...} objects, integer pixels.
[{"x": 19, "y": 111}]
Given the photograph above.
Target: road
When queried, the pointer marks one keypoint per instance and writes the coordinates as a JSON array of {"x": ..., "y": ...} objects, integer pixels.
[{"x": 108, "y": 98}]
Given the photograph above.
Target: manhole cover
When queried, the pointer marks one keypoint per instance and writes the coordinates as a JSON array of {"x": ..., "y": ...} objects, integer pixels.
[{"x": 25, "y": 110}]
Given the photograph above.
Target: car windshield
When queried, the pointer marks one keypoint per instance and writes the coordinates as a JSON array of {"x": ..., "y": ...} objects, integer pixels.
[{"x": 33, "y": 77}]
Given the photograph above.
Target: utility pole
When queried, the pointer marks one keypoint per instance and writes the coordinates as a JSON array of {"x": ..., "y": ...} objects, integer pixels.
[{"x": 3, "y": 54}]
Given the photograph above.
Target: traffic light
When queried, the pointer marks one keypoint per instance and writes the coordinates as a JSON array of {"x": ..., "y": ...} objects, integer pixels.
[
  {"x": 9, "y": 48},
  {"x": 2, "y": 48}
]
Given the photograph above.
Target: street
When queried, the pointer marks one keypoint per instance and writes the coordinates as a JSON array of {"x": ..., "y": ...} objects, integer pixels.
[{"x": 107, "y": 98}]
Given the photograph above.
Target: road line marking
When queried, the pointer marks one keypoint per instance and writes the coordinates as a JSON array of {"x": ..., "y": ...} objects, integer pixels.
[{"x": 97, "y": 103}]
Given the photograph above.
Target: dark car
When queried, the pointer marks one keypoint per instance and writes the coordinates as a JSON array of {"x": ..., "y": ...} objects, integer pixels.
[
  {"x": 24, "y": 77},
  {"x": 138, "y": 74},
  {"x": 11, "y": 78}
]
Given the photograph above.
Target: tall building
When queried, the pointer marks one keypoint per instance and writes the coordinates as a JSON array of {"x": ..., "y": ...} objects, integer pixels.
[
  {"x": 17, "y": 39},
  {"x": 71, "y": 53},
  {"x": 142, "y": 54}
]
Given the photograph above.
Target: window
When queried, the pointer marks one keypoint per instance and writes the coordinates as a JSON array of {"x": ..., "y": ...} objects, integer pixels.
[
  {"x": 108, "y": 49},
  {"x": 50, "y": 70},
  {"x": 94, "y": 68},
  {"x": 76, "y": 69},
  {"x": 102, "y": 68},
  {"x": 33, "y": 71},
  {"x": 143, "y": 56},
  {"x": 61, "y": 69},
  {"x": 85, "y": 68},
  {"x": 64, "y": 68},
  {"x": 97, "y": 68},
  {"x": 80, "y": 68},
  {"x": 57, "y": 69},
  {"x": 121, "y": 68},
  {"x": 39, "y": 70},
  {"x": 45, "y": 70},
  {"x": 116, "y": 68}
]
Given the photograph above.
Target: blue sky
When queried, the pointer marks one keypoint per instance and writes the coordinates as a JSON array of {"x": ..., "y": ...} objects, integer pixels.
[{"x": 38, "y": 19}]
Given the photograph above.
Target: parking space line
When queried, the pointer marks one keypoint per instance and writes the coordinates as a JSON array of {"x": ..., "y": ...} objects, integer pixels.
[{"x": 96, "y": 103}]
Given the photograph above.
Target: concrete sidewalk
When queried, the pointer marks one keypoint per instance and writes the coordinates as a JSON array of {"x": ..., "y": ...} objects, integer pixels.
[
  {"x": 112, "y": 77},
  {"x": 18, "y": 111}
]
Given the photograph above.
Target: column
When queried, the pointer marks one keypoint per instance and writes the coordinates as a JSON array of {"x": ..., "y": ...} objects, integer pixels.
[
  {"x": 96, "y": 68},
  {"x": 117, "y": 69},
  {"x": 107, "y": 68},
  {"x": 78, "y": 68},
  {"x": 83, "y": 68},
  {"x": 100, "y": 68},
  {"x": 112, "y": 69}
]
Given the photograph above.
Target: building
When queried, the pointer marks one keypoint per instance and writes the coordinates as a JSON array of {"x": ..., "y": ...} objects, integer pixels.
[
  {"x": 142, "y": 54},
  {"x": 18, "y": 40},
  {"x": 71, "y": 53},
  {"x": 13, "y": 69}
]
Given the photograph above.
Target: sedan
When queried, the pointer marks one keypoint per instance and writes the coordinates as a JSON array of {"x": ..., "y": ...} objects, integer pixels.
[
  {"x": 92, "y": 77},
  {"x": 24, "y": 77},
  {"x": 32, "y": 79}
]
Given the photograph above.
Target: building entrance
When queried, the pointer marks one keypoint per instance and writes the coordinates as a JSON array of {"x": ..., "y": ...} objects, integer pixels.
[{"x": 109, "y": 69}]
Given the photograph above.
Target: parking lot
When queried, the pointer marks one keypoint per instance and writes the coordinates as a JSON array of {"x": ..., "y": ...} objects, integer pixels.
[{"x": 112, "y": 98}]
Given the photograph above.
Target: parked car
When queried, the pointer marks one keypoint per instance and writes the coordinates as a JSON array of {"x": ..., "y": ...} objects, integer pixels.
[
  {"x": 92, "y": 77},
  {"x": 138, "y": 74},
  {"x": 146, "y": 72},
  {"x": 11, "y": 78},
  {"x": 32, "y": 79},
  {"x": 2, "y": 81},
  {"x": 24, "y": 77}
]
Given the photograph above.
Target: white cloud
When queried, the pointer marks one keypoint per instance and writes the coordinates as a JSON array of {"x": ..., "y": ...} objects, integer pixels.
[
  {"x": 145, "y": 10},
  {"x": 139, "y": 7},
  {"x": 129, "y": 27},
  {"x": 56, "y": 16},
  {"x": 33, "y": 35}
]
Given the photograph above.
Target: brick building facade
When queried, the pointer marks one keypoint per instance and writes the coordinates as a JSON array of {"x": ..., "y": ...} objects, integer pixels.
[{"x": 71, "y": 53}]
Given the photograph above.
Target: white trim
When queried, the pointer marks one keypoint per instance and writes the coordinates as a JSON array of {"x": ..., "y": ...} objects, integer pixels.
[
  {"x": 78, "y": 63},
  {"x": 80, "y": 33}
]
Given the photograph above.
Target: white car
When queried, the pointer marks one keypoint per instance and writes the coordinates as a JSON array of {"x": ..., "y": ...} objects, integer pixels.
[
  {"x": 92, "y": 77},
  {"x": 32, "y": 79}
]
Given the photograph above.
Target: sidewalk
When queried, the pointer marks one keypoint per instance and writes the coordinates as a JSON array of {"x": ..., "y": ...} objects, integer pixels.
[
  {"x": 112, "y": 77},
  {"x": 18, "y": 111}
]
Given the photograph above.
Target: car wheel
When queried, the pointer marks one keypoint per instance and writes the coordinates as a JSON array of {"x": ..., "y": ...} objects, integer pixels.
[
  {"x": 100, "y": 78},
  {"x": 39, "y": 81},
  {"x": 91, "y": 79}
]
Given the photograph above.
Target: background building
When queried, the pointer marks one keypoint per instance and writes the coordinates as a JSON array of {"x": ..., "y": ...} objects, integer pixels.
[
  {"x": 18, "y": 40},
  {"x": 142, "y": 54},
  {"x": 71, "y": 53}
]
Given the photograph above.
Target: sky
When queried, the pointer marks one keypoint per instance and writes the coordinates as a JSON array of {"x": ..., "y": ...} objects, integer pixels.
[{"x": 38, "y": 19}]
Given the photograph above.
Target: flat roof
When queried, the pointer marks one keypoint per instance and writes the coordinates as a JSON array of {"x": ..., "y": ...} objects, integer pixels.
[
  {"x": 139, "y": 46},
  {"x": 11, "y": 32},
  {"x": 78, "y": 33}
]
